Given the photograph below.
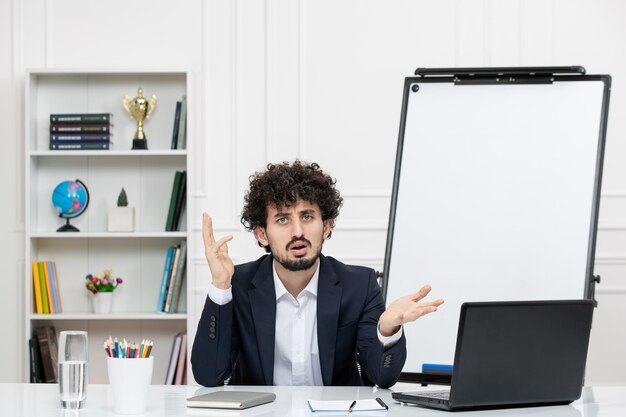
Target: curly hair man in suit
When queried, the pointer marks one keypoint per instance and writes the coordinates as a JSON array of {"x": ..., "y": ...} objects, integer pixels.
[{"x": 295, "y": 316}]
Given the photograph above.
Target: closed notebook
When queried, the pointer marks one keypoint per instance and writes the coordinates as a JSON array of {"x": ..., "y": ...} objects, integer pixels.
[{"x": 237, "y": 400}]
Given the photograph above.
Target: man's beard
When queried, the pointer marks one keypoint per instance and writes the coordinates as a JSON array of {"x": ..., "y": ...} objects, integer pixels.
[{"x": 301, "y": 264}]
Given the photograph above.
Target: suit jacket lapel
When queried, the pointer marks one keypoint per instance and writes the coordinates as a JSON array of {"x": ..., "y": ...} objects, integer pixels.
[
  {"x": 263, "y": 304},
  {"x": 328, "y": 303}
]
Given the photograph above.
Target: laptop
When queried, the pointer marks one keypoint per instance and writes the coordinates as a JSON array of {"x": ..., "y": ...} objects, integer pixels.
[{"x": 515, "y": 354}]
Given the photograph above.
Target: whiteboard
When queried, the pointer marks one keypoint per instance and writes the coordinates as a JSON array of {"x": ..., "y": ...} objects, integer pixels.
[{"x": 495, "y": 197}]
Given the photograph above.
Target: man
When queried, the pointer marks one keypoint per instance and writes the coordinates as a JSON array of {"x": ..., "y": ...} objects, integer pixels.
[{"x": 295, "y": 316}]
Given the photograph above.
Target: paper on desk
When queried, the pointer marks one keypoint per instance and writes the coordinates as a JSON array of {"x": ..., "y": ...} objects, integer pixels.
[{"x": 343, "y": 406}]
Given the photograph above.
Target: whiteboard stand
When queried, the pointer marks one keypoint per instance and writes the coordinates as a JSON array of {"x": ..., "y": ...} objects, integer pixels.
[{"x": 496, "y": 193}]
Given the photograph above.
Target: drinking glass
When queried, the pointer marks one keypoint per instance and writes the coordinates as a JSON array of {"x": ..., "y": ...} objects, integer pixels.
[{"x": 73, "y": 357}]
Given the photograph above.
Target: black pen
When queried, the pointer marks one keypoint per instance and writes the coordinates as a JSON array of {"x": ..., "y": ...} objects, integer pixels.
[
  {"x": 382, "y": 403},
  {"x": 351, "y": 406}
]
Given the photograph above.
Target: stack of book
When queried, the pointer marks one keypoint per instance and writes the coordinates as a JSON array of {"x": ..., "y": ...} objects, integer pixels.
[
  {"x": 177, "y": 201},
  {"x": 172, "y": 281},
  {"x": 179, "y": 133},
  {"x": 81, "y": 131},
  {"x": 43, "y": 355},
  {"x": 46, "y": 288},
  {"x": 178, "y": 361}
]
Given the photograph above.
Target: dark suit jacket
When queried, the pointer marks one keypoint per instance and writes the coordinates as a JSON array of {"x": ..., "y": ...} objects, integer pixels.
[{"x": 237, "y": 339}]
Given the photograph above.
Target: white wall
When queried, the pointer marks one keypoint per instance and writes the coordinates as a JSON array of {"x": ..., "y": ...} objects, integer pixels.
[{"x": 320, "y": 80}]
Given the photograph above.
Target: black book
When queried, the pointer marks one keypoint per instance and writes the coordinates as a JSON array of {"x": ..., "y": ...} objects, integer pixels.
[
  {"x": 176, "y": 125},
  {"x": 35, "y": 361},
  {"x": 80, "y": 145},
  {"x": 180, "y": 201},
  {"x": 80, "y": 128},
  {"x": 47, "y": 339},
  {"x": 172, "y": 207},
  {"x": 73, "y": 137},
  {"x": 81, "y": 118}
]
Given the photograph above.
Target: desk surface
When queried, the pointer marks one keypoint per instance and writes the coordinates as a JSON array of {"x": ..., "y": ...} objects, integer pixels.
[{"x": 42, "y": 400}]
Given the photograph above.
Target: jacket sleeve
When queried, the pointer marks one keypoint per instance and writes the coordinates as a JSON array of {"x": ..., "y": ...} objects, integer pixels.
[
  {"x": 214, "y": 350},
  {"x": 381, "y": 366}
]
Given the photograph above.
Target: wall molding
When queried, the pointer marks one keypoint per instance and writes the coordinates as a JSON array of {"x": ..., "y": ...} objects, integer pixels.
[
  {"x": 610, "y": 260},
  {"x": 610, "y": 290},
  {"x": 612, "y": 225},
  {"x": 615, "y": 193},
  {"x": 366, "y": 193}
]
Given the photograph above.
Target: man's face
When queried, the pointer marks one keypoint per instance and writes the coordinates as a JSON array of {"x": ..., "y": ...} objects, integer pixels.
[{"x": 295, "y": 234}]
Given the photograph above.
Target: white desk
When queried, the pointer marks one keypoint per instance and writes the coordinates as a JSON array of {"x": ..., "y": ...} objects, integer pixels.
[{"x": 42, "y": 400}]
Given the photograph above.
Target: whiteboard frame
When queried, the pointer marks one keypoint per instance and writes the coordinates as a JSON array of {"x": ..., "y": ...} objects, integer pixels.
[{"x": 474, "y": 78}]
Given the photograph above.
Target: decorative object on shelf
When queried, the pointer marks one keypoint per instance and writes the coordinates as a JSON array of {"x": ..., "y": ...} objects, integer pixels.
[
  {"x": 70, "y": 199},
  {"x": 139, "y": 109},
  {"x": 102, "y": 287},
  {"x": 122, "y": 217}
]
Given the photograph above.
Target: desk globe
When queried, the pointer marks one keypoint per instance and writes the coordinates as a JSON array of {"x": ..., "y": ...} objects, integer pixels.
[{"x": 70, "y": 199}]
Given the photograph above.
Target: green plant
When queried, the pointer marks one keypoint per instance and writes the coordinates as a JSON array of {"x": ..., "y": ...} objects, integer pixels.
[
  {"x": 102, "y": 282},
  {"x": 122, "y": 200}
]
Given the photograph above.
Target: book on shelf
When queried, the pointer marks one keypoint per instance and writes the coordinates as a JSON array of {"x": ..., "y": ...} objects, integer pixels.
[
  {"x": 176, "y": 125},
  {"x": 35, "y": 361},
  {"x": 182, "y": 126},
  {"x": 37, "y": 288},
  {"x": 171, "y": 369},
  {"x": 79, "y": 137},
  {"x": 53, "y": 285},
  {"x": 165, "y": 279},
  {"x": 47, "y": 341},
  {"x": 47, "y": 298},
  {"x": 180, "y": 201},
  {"x": 80, "y": 145},
  {"x": 169, "y": 224},
  {"x": 64, "y": 128},
  {"x": 81, "y": 118},
  {"x": 49, "y": 287},
  {"x": 44, "y": 289},
  {"x": 170, "y": 284},
  {"x": 181, "y": 364},
  {"x": 176, "y": 280},
  {"x": 81, "y": 128}
]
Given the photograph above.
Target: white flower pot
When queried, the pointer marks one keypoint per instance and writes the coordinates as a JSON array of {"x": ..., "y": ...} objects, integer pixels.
[
  {"x": 121, "y": 219},
  {"x": 102, "y": 302}
]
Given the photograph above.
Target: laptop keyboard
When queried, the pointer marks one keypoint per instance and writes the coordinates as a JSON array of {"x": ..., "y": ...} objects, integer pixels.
[{"x": 440, "y": 395}]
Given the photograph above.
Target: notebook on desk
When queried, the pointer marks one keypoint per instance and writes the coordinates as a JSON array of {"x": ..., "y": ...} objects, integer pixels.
[
  {"x": 514, "y": 354},
  {"x": 237, "y": 400}
]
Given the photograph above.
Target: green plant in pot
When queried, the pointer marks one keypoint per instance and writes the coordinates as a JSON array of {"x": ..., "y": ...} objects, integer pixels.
[{"x": 122, "y": 217}]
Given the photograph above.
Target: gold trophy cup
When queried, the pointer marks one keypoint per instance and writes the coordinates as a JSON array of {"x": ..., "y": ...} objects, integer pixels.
[{"x": 140, "y": 109}]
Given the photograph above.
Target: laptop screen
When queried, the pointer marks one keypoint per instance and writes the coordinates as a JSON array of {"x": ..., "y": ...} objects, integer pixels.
[{"x": 521, "y": 352}]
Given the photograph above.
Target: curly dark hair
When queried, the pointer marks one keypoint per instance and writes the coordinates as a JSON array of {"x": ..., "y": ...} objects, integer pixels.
[{"x": 282, "y": 185}]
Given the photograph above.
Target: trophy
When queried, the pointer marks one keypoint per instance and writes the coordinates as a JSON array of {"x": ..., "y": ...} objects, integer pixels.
[{"x": 139, "y": 109}]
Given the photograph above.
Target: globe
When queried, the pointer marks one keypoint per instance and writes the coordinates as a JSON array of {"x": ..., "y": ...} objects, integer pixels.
[{"x": 70, "y": 199}]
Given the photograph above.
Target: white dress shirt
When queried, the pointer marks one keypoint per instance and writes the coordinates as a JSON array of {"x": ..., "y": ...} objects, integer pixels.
[{"x": 296, "y": 351}]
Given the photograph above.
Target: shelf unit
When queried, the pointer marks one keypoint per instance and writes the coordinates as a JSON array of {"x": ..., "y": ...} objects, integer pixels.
[{"x": 146, "y": 175}]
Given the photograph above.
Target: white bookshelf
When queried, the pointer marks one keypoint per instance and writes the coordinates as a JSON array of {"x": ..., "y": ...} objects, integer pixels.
[{"x": 146, "y": 175}]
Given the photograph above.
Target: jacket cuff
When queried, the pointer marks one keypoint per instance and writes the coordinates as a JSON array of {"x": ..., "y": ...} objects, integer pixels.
[
  {"x": 387, "y": 341},
  {"x": 220, "y": 296}
]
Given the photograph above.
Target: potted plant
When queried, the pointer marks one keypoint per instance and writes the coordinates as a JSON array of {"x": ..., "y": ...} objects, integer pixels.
[
  {"x": 101, "y": 287},
  {"x": 122, "y": 217}
]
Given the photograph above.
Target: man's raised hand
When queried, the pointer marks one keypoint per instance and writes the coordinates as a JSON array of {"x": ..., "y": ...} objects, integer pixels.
[
  {"x": 220, "y": 264},
  {"x": 406, "y": 309}
]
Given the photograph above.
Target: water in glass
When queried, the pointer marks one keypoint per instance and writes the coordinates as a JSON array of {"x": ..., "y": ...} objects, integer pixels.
[
  {"x": 73, "y": 383},
  {"x": 73, "y": 358}
]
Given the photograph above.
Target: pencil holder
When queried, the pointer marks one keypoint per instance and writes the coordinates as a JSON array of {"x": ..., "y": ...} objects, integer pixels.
[{"x": 130, "y": 379}]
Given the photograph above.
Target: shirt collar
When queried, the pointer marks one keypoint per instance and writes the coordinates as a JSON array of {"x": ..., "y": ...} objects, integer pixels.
[{"x": 310, "y": 288}]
